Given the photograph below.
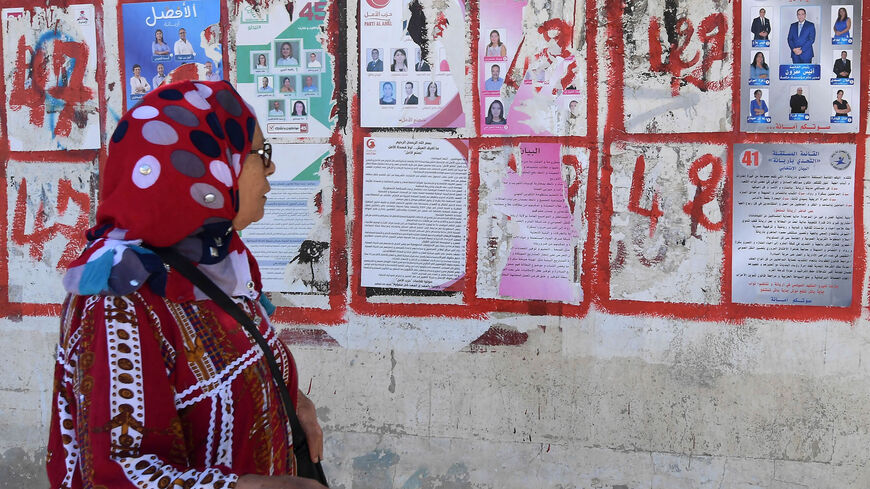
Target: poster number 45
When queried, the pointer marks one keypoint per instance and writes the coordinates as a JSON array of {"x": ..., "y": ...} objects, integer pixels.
[{"x": 316, "y": 13}]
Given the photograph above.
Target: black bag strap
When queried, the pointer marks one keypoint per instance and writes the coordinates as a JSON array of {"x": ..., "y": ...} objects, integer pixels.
[{"x": 187, "y": 269}]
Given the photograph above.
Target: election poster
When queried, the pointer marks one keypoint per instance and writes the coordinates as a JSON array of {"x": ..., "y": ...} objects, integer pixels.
[
  {"x": 531, "y": 69},
  {"x": 412, "y": 63},
  {"x": 794, "y": 224},
  {"x": 291, "y": 242},
  {"x": 283, "y": 69},
  {"x": 414, "y": 213},
  {"x": 50, "y": 61},
  {"x": 801, "y": 67},
  {"x": 161, "y": 37}
]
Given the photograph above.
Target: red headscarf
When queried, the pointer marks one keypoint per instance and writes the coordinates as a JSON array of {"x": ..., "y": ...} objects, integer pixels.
[{"x": 171, "y": 179}]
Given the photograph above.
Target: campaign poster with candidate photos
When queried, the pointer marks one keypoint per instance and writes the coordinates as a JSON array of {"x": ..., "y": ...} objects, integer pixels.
[
  {"x": 281, "y": 60},
  {"x": 412, "y": 63},
  {"x": 532, "y": 68},
  {"x": 160, "y": 37},
  {"x": 803, "y": 54}
]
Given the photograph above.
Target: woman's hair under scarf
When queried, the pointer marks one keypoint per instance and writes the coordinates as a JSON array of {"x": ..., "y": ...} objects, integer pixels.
[{"x": 171, "y": 179}]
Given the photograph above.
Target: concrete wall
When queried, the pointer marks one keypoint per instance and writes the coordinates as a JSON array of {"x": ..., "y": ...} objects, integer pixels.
[{"x": 654, "y": 380}]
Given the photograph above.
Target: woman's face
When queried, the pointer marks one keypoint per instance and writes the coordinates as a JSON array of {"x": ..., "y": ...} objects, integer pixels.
[
  {"x": 759, "y": 59},
  {"x": 493, "y": 38},
  {"x": 137, "y": 71},
  {"x": 841, "y": 14},
  {"x": 261, "y": 60},
  {"x": 253, "y": 186},
  {"x": 757, "y": 95},
  {"x": 159, "y": 35},
  {"x": 287, "y": 83},
  {"x": 432, "y": 89},
  {"x": 399, "y": 58},
  {"x": 839, "y": 95},
  {"x": 299, "y": 107},
  {"x": 495, "y": 109},
  {"x": 388, "y": 90},
  {"x": 286, "y": 51}
]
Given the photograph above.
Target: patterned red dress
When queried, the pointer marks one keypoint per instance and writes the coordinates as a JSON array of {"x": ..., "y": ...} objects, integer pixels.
[{"x": 151, "y": 393}]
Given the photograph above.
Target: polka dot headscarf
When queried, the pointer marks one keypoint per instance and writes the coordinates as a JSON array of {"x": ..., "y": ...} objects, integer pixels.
[
  {"x": 171, "y": 179},
  {"x": 174, "y": 162}
]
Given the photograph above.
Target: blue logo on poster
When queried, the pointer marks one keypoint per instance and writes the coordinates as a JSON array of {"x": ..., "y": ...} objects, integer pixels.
[
  {"x": 798, "y": 117},
  {"x": 161, "y": 36},
  {"x": 800, "y": 72},
  {"x": 841, "y": 41},
  {"x": 758, "y": 119},
  {"x": 842, "y": 81},
  {"x": 841, "y": 119},
  {"x": 753, "y": 82},
  {"x": 761, "y": 43}
]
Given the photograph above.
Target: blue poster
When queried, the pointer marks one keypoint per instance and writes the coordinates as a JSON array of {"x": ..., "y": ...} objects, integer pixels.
[{"x": 161, "y": 37}]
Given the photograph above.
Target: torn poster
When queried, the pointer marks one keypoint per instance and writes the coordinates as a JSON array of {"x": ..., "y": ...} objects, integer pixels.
[
  {"x": 532, "y": 68},
  {"x": 414, "y": 213},
  {"x": 801, "y": 67},
  {"x": 50, "y": 61},
  {"x": 529, "y": 240},
  {"x": 412, "y": 63},
  {"x": 165, "y": 42},
  {"x": 794, "y": 224},
  {"x": 283, "y": 69},
  {"x": 291, "y": 242}
]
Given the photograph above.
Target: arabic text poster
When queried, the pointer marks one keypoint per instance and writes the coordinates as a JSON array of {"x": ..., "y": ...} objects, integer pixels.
[
  {"x": 795, "y": 59},
  {"x": 412, "y": 63},
  {"x": 794, "y": 224},
  {"x": 531, "y": 69},
  {"x": 414, "y": 213},
  {"x": 291, "y": 243},
  {"x": 161, "y": 37},
  {"x": 530, "y": 227},
  {"x": 283, "y": 69},
  {"x": 50, "y": 61}
]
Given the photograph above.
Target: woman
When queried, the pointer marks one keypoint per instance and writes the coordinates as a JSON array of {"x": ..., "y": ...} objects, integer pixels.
[
  {"x": 387, "y": 94},
  {"x": 495, "y": 114},
  {"x": 759, "y": 69},
  {"x": 298, "y": 108},
  {"x": 138, "y": 84},
  {"x": 155, "y": 385},
  {"x": 495, "y": 48},
  {"x": 400, "y": 61},
  {"x": 841, "y": 107},
  {"x": 432, "y": 97},
  {"x": 158, "y": 47},
  {"x": 262, "y": 62},
  {"x": 757, "y": 107},
  {"x": 287, "y": 85},
  {"x": 843, "y": 24},
  {"x": 286, "y": 58}
]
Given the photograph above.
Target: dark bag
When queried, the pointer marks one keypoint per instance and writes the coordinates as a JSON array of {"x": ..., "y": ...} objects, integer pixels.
[{"x": 304, "y": 466}]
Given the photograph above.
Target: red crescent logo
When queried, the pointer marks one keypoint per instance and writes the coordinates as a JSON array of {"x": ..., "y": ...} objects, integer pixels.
[
  {"x": 370, "y": 143},
  {"x": 378, "y": 3}
]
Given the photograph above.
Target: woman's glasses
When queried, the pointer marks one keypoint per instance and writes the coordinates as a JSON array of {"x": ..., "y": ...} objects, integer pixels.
[{"x": 265, "y": 154}]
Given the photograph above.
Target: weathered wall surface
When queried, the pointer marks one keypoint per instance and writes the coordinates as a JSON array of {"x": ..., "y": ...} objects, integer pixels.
[{"x": 653, "y": 380}]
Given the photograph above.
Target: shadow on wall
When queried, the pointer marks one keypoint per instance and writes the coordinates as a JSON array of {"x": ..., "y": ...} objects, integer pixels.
[
  {"x": 18, "y": 469},
  {"x": 376, "y": 469}
]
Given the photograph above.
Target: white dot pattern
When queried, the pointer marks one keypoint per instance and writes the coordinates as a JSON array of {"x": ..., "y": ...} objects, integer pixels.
[
  {"x": 159, "y": 132},
  {"x": 221, "y": 172},
  {"x": 144, "y": 181},
  {"x": 145, "y": 112},
  {"x": 196, "y": 99}
]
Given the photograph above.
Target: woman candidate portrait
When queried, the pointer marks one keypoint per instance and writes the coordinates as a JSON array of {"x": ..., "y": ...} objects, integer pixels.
[
  {"x": 757, "y": 107},
  {"x": 400, "y": 60},
  {"x": 759, "y": 69},
  {"x": 388, "y": 96},
  {"x": 159, "y": 46},
  {"x": 432, "y": 97},
  {"x": 285, "y": 55},
  {"x": 841, "y": 107},
  {"x": 495, "y": 48},
  {"x": 495, "y": 113},
  {"x": 155, "y": 384},
  {"x": 842, "y": 25}
]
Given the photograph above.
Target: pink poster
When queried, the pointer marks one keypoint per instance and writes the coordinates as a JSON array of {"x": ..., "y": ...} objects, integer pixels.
[{"x": 531, "y": 70}]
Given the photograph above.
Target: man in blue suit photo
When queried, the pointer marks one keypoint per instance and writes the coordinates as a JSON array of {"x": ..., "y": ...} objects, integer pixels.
[{"x": 801, "y": 36}]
